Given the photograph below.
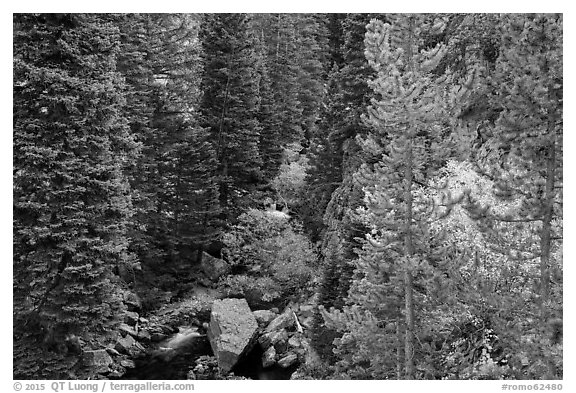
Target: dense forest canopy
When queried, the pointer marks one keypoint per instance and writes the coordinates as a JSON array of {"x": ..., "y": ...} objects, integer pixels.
[{"x": 404, "y": 171}]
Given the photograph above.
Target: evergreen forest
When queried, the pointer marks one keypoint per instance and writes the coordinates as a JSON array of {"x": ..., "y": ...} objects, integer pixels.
[{"x": 384, "y": 191}]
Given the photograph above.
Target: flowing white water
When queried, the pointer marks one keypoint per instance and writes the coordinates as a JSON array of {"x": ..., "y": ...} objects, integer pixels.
[{"x": 185, "y": 336}]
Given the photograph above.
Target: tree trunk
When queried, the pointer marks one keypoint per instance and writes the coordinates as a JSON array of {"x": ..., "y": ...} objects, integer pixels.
[
  {"x": 408, "y": 290},
  {"x": 545, "y": 237},
  {"x": 398, "y": 350}
]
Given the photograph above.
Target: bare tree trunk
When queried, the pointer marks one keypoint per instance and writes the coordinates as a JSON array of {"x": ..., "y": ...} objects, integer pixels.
[{"x": 545, "y": 237}]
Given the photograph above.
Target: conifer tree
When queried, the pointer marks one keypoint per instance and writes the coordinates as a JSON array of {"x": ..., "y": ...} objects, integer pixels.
[
  {"x": 284, "y": 74},
  {"x": 522, "y": 155},
  {"x": 397, "y": 249},
  {"x": 309, "y": 37},
  {"x": 335, "y": 157},
  {"x": 229, "y": 105},
  {"x": 333, "y": 151},
  {"x": 71, "y": 199},
  {"x": 270, "y": 141},
  {"x": 528, "y": 131},
  {"x": 174, "y": 179}
]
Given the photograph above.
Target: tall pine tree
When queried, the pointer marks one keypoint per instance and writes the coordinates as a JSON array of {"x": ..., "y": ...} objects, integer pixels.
[
  {"x": 396, "y": 255},
  {"x": 71, "y": 200},
  {"x": 229, "y": 105}
]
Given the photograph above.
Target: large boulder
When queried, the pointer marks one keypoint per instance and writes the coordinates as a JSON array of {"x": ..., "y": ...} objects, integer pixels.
[
  {"x": 214, "y": 268},
  {"x": 232, "y": 331}
]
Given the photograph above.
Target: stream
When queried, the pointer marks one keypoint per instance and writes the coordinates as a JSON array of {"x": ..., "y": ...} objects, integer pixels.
[{"x": 175, "y": 356}]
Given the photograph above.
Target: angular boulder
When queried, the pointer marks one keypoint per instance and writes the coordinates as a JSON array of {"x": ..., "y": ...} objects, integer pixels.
[
  {"x": 232, "y": 330},
  {"x": 144, "y": 336},
  {"x": 124, "y": 345},
  {"x": 288, "y": 360},
  {"x": 264, "y": 317},
  {"x": 282, "y": 321},
  {"x": 277, "y": 339},
  {"x": 214, "y": 268},
  {"x": 131, "y": 317},
  {"x": 269, "y": 357},
  {"x": 127, "y": 330},
  {"x": 294, "y": 342},
  {"x": 127, "y": 363}
]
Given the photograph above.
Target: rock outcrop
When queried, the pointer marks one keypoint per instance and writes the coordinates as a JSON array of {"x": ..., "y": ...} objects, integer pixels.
[{"x": 232, "y": 331}]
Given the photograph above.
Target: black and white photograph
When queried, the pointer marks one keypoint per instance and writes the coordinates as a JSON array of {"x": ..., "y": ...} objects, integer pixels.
[{"x": 287, "y": 196}]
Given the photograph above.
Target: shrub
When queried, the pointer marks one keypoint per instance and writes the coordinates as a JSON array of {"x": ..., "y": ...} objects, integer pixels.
[{"x": 270, "y": 256}]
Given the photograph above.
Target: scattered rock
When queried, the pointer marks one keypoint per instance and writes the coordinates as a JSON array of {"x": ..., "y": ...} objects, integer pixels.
[
  {"x": 97, "y": 358},
  {"x": 127, "y": 330},
  {"x": 232, "y": 330},
  {"x": 131, "y": 317},
  {"x": 157, "y": 337},
  {"x": 144, "y": 335},
  {"x": 214, "y": 268},
  {"x": 294, "y": 342},
  {"x": 144, "y": 320},
  {"x": 282, "y": 321},
  {"x": 263, "y": 317},
  {"x": 273, "y": 338},
  {"x": 265, "y": 341},
  {"x": 138, "y": 348},
  {"x": 269, "y": 357},
  {"x": 288, "y": 360},
  {"x": 127, "y": 363},
  {"x": 206, "y": 368},
  {"x": 132, "y": 301},
  {"x": 124, "y": 345},
  {"x": 281, "y": 344}
]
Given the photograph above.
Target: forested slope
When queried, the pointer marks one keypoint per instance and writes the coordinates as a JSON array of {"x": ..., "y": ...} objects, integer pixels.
[{"x": 401, "y": 172}]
